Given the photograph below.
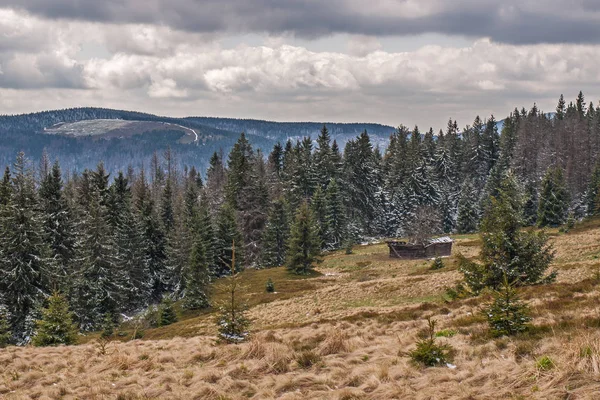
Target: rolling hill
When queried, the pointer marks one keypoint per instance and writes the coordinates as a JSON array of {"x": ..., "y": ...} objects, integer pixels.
[{"x": 82, "y": 137}]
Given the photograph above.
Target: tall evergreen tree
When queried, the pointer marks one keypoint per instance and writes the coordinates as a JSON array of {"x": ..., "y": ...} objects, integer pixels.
[
  {"x": 227, "y": 232},
  {"x": 197, "y": 279},
  {"x": 275, "y": 237},
  {"x": 24, "y": 255},
  {"x": 335, "y": 217},
  {"x": 58, "y": 225},
  {"x": 553, "y": 203},
  {"x": 468, "y": 216},
  {"x": 304, "y": 243}
]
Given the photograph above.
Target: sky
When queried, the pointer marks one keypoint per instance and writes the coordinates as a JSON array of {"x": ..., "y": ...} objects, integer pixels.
[{"x": 410, "y": 62}]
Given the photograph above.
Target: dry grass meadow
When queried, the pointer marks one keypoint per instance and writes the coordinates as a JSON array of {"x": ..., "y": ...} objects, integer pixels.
[{"x": 344, "y": 333}]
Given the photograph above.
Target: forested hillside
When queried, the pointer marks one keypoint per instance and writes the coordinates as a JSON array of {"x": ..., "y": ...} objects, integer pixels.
[
  {"x": 115, "y": 243},
  {"x": 77, "y": 148}
]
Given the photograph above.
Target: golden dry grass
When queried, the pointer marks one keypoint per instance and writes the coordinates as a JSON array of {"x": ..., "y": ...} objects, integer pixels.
[{"x": 345, "y": 334}]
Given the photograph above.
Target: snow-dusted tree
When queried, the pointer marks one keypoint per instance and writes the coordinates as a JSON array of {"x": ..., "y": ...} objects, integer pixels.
[
  {"x": 360, "y": 183},
  {"x": 324, "y": 164},
  {"x": 99, "y": 285},
  {"x": 424, "y": 224},
  {"x": 335, "y": 217},
  {"x": 304, "y": 242},
  {"x": 56, "y": 326},
  {"x": 468, "y": 215},
  {"x": 5, "y": 330},
  {"x": 24, "y": 255},
  {"x": 131, "y": 253},
  {"x": 275, "y": 237},
  {"x": 58, "y": 225}
]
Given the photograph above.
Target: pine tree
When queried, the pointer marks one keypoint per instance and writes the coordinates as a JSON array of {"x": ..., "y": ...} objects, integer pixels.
[
  {"x": 58, "y": 225},
  {"x": 275, "y": 236},
  {"x": 166, "y": 312},
  {"x": 5, "y": 330},
  {"x": 131, "y": 256},
  {"x": 468, "y": 216},
  {"x": 227, "y": 232},
  {"x": 5, "y": 188},
  {"x": 197, "y": 279},
  {"x": 553, "y": 203},
  {"x": 318, "y": 206},
  {"x": 335, "y": 217},
  {"x": 99, "y": 286},
  {"x": 507, "y": 315},
  {"x": 56, "y": 326},
  {"x": 304, "y": 243},
  {"x": 524, "y": 256},
  {"x": 325, "y": 168},
  {"x": 24, "y": 254},
  {"x": 153, "y": 240}
]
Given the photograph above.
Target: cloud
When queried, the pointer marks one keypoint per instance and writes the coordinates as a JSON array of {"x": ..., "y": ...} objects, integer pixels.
[{"x": 509, "y": 21}]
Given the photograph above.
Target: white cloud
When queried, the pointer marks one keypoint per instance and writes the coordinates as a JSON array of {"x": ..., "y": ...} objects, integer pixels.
[{"x": 193, "y": 74}]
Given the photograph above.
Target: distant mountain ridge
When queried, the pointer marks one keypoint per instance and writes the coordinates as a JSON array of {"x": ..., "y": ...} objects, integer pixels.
[{"x": 76, "y": 138}]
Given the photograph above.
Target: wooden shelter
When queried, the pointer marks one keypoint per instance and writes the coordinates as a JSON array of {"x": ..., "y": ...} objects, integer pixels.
[{"x": 439, "y": 247}]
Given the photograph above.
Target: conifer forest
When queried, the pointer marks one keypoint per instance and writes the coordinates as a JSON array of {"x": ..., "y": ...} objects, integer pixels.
[{"x": 113, "y": 244}]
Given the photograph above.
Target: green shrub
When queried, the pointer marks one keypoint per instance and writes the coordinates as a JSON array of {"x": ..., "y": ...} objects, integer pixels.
[
  {"x": 270, "y": 286},
  {"x": 428, "y": 352}
]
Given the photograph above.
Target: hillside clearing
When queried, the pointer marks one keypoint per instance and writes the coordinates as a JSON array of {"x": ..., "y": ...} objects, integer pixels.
[{"x": 343, "y": 334}]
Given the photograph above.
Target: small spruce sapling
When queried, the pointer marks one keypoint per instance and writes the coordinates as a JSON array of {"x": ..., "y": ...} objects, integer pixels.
[
  {"x": 270, "y": 286},
  {"x": 428, "y": 352},
  {"x": 167, "y": 314},
  {"x": 507, "y": 315},
  {"x": 232, "y": 321},
  {"x": 56, "y": 326},
  {"x": 437, "y": 264}
]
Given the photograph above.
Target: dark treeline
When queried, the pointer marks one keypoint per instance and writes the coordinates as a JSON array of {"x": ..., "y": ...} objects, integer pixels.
[{"x": 116, "y": 243}]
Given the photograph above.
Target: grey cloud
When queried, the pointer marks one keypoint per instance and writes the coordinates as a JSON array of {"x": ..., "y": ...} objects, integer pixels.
[{"x": 510, "y": 21}]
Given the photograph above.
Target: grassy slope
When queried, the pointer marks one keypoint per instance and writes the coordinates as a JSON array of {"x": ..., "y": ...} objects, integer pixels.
[{"x": 344, "y": 334}]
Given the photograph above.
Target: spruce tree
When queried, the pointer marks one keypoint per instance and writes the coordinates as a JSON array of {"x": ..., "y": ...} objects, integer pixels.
[
  {"x": 166, "y": 312},
  {"x": 5, "y": 188},
  {"x": 99, "y": 286},
  {"x": 468, "y": 217},
  {"x": 318, "y": 206},
  {"x": 507, "y": 315},
  {"x": 5, "y": 330},
  {"x": 56, "y": 326},
  {"x": 324, "y": 165},
  {"x": 524, "y": 256},
  {"x": 58, "y": 225},
  {"x": 335, "y": 217},
  {"x": 24, "y": 254},
  {"x": 553, "y": 203},
  {"x": 227, "y": 232},
  {"x": 304, "y": 243},
  {"x": 275, "y": 236},
  {"x": 592, "y": 191},
  {"x": 197, "y": 279}
]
